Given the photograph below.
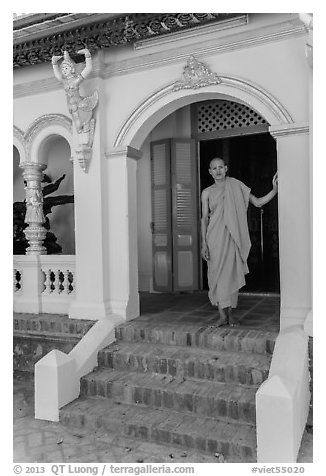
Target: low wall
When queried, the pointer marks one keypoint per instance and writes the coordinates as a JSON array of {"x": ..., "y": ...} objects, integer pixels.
[{"x": 282, "y": 401}]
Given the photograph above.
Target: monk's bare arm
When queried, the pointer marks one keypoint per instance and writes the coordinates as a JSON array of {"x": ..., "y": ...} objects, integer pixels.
[
  {"x": 204, "y": 224},
  {"x": 260, "y": 202}
]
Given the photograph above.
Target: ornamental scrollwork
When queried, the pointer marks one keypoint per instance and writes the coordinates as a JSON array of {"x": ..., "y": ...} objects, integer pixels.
[{"x": 196, "y": 75}]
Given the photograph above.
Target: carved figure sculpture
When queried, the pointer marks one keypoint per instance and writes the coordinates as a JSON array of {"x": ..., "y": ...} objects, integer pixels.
[
  {"x": 34, "y": 206},
  {"x": 81, "y": 108}
]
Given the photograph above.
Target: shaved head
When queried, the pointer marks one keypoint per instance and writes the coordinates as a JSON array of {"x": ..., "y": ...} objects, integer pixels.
[{"x": 218, "y": 159}]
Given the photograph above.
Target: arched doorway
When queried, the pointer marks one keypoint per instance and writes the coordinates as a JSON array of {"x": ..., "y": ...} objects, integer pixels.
[
  {"x": 180, "y": 150},
  {"x": 292, "y": 152}
]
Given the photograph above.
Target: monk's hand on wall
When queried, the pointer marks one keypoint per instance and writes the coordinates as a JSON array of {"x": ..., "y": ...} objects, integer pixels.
[
  {"x": 205, "y": 252},
  {"x": 275, "y": 182}
]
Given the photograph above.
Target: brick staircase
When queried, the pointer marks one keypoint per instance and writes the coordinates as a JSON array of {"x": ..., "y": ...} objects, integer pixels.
[
  {"x": 181, "y": 384},
  {"x": 36, "y": 335}
]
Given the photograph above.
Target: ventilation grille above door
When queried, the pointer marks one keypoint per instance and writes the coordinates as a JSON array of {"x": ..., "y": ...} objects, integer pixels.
[{"x": 214, "y": 116}]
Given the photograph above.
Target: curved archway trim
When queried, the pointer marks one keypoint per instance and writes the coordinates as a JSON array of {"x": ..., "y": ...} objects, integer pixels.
[
  {"x": 42, "y": 127},
  {"x": 165, "y": 100}
]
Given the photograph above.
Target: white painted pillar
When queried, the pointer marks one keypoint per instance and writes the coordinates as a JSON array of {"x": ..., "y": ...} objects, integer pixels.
[
  {"x": 91, "y": 223},
  {"x": 123, "y": 248},
  {"x": 294, "y": 222}
]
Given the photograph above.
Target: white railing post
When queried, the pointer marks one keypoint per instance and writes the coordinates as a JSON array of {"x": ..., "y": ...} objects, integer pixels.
[{"x": 282, "y": 401}]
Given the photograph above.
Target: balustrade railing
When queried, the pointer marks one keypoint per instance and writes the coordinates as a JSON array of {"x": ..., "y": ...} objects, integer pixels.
[{"x": 56, "y": 286}]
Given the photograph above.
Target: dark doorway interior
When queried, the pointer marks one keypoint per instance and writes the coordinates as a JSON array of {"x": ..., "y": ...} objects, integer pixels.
[{"x": 253, "y": 160}]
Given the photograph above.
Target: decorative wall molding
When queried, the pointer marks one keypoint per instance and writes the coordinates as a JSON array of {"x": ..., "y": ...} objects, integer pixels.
[
  {"x": 288, "y": 130},
  {"x": 235, "y": 41},
  {"x": 193, "y": 32},
  {"x": 209, "y": 46},
  {"x": 45, "y": 121},
  {"x": 196, "y": 75},
  {"x": 127, "y": 151},
  {"x": 251, "y": 89},
  {"x": 19, "y": 135},
  {"x": 106, "y": 33},
  {"x": 41, "y": 123}
]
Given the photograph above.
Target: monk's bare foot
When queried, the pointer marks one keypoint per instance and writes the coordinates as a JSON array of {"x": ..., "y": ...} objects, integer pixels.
[
  {"x": 232, "y": 321},
  {"x": 223, "y": 318}
]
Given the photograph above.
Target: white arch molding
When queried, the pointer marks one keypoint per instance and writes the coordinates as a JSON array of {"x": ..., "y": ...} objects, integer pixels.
[
  {"x": 165, "y": 101},
  {"x": 19, "y": 143},
  {"x": 29, "y": 144}
]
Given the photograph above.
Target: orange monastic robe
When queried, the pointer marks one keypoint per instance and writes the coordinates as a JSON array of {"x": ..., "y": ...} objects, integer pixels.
[{"x": 228, "y": 241}]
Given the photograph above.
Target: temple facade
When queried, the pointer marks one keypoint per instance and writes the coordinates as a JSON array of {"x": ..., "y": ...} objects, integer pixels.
[{"x": 148, "y": 100}]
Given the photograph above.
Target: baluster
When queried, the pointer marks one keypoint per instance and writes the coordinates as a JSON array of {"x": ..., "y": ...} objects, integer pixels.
[
  {"x": 15, "y": 281},
  {"x": 72, "y": 284},
  {"x": 47, "y": 282},
  {"x": 57, "y": 281},
  {"x": 66, "y": 289}
]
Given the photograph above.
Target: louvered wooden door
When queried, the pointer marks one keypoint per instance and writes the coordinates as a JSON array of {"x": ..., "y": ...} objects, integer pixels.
[
  {"x": 175, "y": 215},
  {"x": 161, "y": 216}
]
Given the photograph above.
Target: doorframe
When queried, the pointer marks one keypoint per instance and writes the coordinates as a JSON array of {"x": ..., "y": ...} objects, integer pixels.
[{"x": 217, "y": 137}]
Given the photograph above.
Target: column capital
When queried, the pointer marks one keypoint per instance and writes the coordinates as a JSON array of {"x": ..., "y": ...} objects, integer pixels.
[
  {"x": 32, "y": 167},
  {"x": 35, "y": 165},
  {"x": 288, "y": 130},
  {"x": 123, "y": 151}
]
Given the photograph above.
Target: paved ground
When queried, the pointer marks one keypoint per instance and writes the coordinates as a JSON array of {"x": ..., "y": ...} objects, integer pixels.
[
  {"x": 41, "y": 441},
  {"x": 257, "y": 312}
]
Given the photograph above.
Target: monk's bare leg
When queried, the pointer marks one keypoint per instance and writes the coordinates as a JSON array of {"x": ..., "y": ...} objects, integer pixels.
[{"x": 223, "y": 318}]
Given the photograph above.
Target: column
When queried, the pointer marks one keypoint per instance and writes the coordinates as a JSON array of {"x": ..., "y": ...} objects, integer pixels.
[
  {"x": 294, "y": 222},
  {"x": 123, "y": 246},
  {"x": 35, "y": 232},
  {"x": 32, "y": 276}
]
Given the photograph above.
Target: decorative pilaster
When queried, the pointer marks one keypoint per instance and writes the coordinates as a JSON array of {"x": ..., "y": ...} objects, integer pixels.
[
  {"x": 35, "y": 232},
  {"x": 123, "y": 246},
  {"x": 292, "y": 142}
]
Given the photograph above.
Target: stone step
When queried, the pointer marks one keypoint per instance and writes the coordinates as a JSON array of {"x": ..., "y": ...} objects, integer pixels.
[
  {"x": 194, "y": 335},
  {"x": 207, "y": 398},
  {"x": 187, "y": 362},
  {"x": 236, "y": 442},
  {"x": 50, "y": 324}
]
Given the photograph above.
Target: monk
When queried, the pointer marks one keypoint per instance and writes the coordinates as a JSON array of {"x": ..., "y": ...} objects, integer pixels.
[{"x": 225, "y": 237}]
